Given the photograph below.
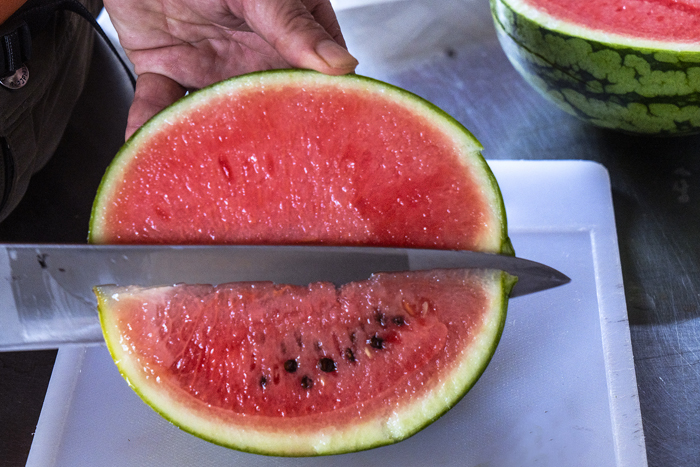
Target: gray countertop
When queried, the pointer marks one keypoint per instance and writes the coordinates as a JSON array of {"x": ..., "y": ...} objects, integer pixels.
[{"x": 447, "y": 52}]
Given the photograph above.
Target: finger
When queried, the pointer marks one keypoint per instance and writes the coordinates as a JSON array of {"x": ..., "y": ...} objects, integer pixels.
[
  {"x": 153, "y": 93},
  {"x": 297, "y": 36},
  {"x": 324, "y": 14}
]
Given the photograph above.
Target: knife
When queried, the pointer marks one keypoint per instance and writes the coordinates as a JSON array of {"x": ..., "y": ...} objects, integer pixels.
[{"x": 47, "y": 299}]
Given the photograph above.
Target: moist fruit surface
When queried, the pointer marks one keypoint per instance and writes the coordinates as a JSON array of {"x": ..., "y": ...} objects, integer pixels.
[
  {"x": 297, "y": 157},
  {"x": 293, "y": 370},
  {"x": 663, "y": 20}
]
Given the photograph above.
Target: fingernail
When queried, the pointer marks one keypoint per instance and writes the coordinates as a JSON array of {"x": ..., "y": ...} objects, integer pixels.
[{"x": 335, "y": 55}]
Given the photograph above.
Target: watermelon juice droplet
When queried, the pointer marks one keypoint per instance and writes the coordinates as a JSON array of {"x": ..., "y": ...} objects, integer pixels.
[{"x": 226, "y": 168}]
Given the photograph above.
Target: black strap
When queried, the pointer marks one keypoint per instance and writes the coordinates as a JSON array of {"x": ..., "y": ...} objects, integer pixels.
[
  {"x": 16, "y": 49},
  {"x": 7, "y": 173},
  {"x": 29, "y": 21}
]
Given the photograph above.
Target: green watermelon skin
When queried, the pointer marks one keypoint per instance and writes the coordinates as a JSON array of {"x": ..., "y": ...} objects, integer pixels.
[{"x": 637, "y": 90}]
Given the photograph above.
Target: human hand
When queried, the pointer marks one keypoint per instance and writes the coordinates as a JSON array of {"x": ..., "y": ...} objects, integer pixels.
[{"x": 181, "y": 45}]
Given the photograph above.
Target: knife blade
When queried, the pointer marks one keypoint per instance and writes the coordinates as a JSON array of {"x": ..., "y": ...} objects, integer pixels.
[{"x": 47, "y": 297}]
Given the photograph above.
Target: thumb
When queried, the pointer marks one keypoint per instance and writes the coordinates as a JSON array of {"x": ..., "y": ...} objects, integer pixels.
[
  {"x": 153, "y": 93},
  {"x": 305, "y": 37}
]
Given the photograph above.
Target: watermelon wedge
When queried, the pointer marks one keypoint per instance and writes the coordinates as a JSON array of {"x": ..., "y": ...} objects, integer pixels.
[
  {"x": 632, "y": 66},
  {"x": 297, "y": 157},
  {"x": 300, "y": 371}
]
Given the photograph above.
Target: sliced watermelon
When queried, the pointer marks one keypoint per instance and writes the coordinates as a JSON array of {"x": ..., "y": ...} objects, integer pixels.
[
  {"x": 294, "y": 156},
  {"x": 295, "y": 371},
  {"x": 632, "y": 66}
]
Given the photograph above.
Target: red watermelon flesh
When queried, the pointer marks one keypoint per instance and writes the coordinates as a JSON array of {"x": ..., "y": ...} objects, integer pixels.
[
  {"x": 661, "y": 20},
  {"x": 294, "y": 157},
  {"x": 295, "y": 370}
]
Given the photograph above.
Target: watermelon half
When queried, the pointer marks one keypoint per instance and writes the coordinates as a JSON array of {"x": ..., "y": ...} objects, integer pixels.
[
  {"x": 300, "y": 371},
  {"x": 632, "y": 66},
  {"x": 298, "y": 157}
]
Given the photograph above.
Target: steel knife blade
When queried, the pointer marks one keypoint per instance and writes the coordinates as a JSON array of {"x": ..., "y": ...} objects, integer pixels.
[{"x": 47, "y": 297}]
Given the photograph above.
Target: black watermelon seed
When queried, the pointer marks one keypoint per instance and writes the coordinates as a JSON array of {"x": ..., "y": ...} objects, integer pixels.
[
  {"x": 376, "y": 342},
  {"x": 398, "y": 320},
  {"x": 307, "y": 383},
  {"x": 353, "y": 337},
  {"x": 291, "y": 365},
  {"x": 327, "y": 364},
  {"x": 263, "y": 381},
  {"x": 349, "y": 354},
  {"x": 380, "y": 318}
]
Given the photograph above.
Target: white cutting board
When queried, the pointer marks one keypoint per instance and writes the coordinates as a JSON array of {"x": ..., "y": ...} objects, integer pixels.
[{"x": 560, "y": 390}]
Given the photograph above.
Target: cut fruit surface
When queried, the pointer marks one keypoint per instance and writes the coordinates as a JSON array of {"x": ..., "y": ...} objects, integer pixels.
[
  {"x": 673, "y": 21},
  {"x": 293, "y": 370},
  {"x": 296, "y": 157},
  {"x": 293, "y": 157}
]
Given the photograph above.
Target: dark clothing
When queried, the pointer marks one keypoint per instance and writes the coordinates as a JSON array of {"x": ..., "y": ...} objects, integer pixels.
[{"x": 33, "y": 118}]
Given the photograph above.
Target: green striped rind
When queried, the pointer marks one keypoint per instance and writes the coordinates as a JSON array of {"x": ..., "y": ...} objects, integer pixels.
[
  {"x": 627, "y": 84},
  {"x": 404, "y": 421},
  {"x": 467, "y": 145}
]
